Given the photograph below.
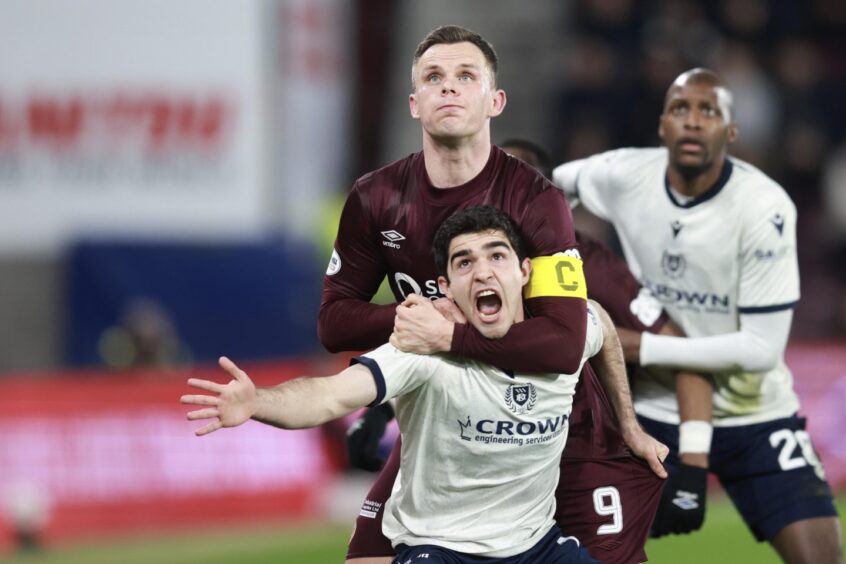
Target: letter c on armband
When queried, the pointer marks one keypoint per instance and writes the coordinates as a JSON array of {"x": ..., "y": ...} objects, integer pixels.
[{"x": 556, "y": 276}]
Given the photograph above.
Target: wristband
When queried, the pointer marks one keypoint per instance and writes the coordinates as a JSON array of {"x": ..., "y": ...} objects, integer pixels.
[{"x": 695, "y": 436}]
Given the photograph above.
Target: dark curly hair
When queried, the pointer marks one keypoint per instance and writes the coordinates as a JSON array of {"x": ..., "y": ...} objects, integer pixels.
[{"x": 474, "y": 220}]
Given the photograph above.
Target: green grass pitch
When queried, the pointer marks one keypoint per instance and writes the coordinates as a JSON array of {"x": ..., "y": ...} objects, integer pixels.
[{"x": 723, "y": 539}]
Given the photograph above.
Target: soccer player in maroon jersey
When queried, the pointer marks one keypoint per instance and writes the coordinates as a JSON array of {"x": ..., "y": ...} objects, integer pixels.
[
  {"x": 605, "y": 498},
  {"x": 391, "y": 215}
]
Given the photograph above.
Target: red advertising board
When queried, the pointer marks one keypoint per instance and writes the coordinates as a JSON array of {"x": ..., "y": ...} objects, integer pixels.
[
  {"x": 93, "y": 453},
  {"x": 819, "y": 372},
  {"x": 105, "y": 452}
]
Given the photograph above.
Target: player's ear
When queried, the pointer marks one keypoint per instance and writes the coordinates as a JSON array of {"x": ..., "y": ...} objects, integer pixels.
[
  {"x": 526, "y": 270},
  {"x": 412, "y": 105},
  {"x": 498, "y": 102},
  {"x": 443, "y": 286},
  {"x": 731, "y": 133},
  {"x": 661, "y": 127}
]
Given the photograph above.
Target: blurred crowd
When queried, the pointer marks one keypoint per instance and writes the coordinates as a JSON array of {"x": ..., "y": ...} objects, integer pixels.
[{"x": 785, "y": 61}]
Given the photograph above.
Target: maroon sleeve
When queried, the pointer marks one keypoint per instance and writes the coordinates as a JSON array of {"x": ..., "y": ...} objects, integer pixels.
[
  {"x": 347, "y": 320},
  {"x": 367, "y": 539},
  {"x": 612, "y": 284},
  {"x": 554, "y": 338}
]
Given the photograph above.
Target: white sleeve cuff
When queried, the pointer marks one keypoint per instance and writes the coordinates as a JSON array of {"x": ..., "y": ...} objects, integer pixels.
[
  {"x": 565, "y": 176},
  {"x": 757, "y": 347}
]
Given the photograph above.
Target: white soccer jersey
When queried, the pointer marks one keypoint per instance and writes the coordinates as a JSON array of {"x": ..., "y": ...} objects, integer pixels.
[
  {"x": 480, "y": 449},
  {"x": 731, "y": 250}
]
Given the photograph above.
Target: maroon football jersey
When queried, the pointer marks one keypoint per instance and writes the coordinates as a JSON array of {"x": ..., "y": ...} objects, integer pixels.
[
  {"x": 594, "y": 430},
  {"x": 386, "y": 229}
]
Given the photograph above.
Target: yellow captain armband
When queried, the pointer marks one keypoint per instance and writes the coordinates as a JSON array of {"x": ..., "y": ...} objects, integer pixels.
[{"x": 560, "y": 275}]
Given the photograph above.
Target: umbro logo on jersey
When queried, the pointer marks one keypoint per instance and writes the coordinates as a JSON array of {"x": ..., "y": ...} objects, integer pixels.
[
  {"x": 686, "y": 500},
  {"x": 391, "y": 238},
  {"x": 676, "y": 226},
  {"x": 778, "y": 222}
]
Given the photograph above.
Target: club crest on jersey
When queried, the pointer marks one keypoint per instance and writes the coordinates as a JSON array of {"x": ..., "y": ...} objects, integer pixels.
[
  {"x": 673, "y": 264},
  {"x": 521, "y": 398},
  {"x": 391, "y": 238}
]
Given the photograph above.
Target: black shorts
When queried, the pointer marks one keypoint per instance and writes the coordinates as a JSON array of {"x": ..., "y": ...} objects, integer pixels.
[
  {"x": 770, "y": 470},
  {"x": 553, "y": 548}
]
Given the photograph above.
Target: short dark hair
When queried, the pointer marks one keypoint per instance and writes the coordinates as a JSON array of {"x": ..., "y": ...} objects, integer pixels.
[
  {"x": 476, "y": 219},
  {"x": 706, "y": 77},
  {"x": 449, "y": 34}
]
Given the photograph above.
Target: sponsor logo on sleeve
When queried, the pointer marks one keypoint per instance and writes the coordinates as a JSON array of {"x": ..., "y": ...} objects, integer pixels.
[
  {"x": 370, "y": 509},
  {"x": 770, "y": 254},
  {"x": 591, "y": 315},
  {"x": 334, "y": 264}
]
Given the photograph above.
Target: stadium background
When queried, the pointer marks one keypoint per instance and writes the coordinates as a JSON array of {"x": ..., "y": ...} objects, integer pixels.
[{"x": 170, "y": 178}]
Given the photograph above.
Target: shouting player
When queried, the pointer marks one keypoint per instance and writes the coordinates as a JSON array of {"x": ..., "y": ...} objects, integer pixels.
[{"x": 482, "y": 445}]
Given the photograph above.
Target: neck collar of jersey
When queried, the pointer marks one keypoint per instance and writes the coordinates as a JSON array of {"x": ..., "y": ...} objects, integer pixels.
[
  {"x": 461, "y": 193},
  {"x": 725, "y": 174}
]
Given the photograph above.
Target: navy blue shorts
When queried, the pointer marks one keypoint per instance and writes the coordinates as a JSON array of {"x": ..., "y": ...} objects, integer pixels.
[
  {"x": 553, "y": 548},
  {"x": 770, "y": 470}
]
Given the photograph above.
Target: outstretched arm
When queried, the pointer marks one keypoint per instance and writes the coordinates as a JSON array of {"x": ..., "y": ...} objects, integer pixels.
[
  {"x": 611, "y": 369},
  {"x": 296, "y": 404}
]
